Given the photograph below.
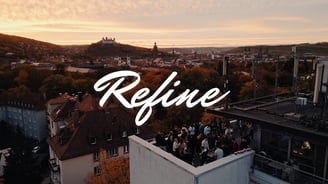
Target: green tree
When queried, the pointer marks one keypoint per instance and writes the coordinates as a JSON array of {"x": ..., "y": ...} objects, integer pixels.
[
  {"x": 60, "y": 69},
  {"x": 6, "y": 134},
  {"x": 84, "y": 84},
  {"x": 36, "y": 77},
  {"x": 55, "y": 84},
  {"x": 20, "y": 164},
  {"x": 199, "y": 78},
  {"x": 6, "y": 80}
]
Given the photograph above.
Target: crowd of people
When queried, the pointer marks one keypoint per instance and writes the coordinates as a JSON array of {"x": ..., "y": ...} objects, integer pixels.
[{"x": 201, "y": 143}]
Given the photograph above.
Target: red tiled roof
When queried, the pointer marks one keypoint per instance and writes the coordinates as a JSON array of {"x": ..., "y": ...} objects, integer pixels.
[
  {"x": 89, "y": 103},
  {"x": 113, "y": 119},
  {"x": 64, "y": 111},
  {"x": 70, "y": 104},
  {"x": 58, "y": 100},
  {"x": 32, "y": 101}
]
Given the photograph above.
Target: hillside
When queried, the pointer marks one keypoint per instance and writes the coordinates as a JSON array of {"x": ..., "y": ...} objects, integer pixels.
[
  {"x": 318, "y": 49},
  {"x": 199, "y": 50},
  {"x": 117, "y": 49},
  {"x": 20, "y": 47}
]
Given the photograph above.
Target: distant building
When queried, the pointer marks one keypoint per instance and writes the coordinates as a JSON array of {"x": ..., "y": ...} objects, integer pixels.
[
  {"x": 79, "y": 69},
  {"x": 108, "y": 41},
  {"x": 43, "y": 66},
  {"x": 26, "y": 111},
  {"x": 289, "y": 131},
  {"x": 80, "y": 129},
  {"x": 155, "y": 50}
]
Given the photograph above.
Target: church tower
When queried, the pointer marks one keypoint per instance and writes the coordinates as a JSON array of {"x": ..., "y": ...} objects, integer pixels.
[{"x": 155, "y": 50}]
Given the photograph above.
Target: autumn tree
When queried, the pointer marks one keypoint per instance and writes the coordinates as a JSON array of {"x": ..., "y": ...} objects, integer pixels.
[
  {"x": 24, "y": 75},
  {"x": 21, "y": 79},
  {"x": 179, "y": 115},
  {"x": 199, "y": 78},
  {"x": 262, "y": 89},
  {"x": 19, "y": 90},
  {"x": 151, "y": 79},
  {"x": 247, "y": 90},
  {"x": 113, "y": 170}
]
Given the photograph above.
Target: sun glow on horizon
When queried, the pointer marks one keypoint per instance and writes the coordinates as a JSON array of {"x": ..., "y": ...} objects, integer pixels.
[{"x": 171, "y": 24}]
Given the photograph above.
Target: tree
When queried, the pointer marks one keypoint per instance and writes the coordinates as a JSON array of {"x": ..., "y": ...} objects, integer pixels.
[
  {"x": 21, "y": 79},
  {"x": 179, "y": 115},
  {"x": 247, "y": 91},
  {"x": 6, "y": 134},
  {"x": 112, "y": 171},
  {"x": 19, "y": 90},
  {"x": 6, "y": 80},
  {"x": 84, "y": 84},
  {"x": 36, "y": 77},
  {"x": 60, "y": 69},
  {"x": 55, "y": 84},
  {"x": 199, "y": 78},
  {"x": 21, "y": 166}
]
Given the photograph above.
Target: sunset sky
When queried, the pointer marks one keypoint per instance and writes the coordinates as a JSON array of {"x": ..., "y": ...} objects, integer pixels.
[{"x": 170, "y": 23}]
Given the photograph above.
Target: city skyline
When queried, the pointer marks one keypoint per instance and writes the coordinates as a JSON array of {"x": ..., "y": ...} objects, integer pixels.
[{"x": 184, "y": 23}]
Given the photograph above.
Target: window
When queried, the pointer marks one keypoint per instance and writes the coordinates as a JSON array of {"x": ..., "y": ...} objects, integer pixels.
[
  {"x": 96, "y": 156},
  {"x": 92, "y": 140},
  {"x": 302, "y": 148},
  {"x": 108, "y": 136},
  {"x": 126, "y": 148},
  {"x": 124, "y": 134},
  {"x": 96, "y": 171},
  {"x": 112, "y": 152}
]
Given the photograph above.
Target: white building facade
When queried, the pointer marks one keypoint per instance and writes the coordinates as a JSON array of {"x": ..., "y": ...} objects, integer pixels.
[
  {"x": 81, "y": 132},
  {"x": 150, "y": 164}
]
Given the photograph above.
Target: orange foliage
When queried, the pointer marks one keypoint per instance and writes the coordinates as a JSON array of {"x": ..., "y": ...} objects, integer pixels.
[
  {"x": 246, "y": 91},
  {"x": 21, "y": 79},
  {"x": 112, "y": 171},
  {"x": 152, "y": 79},
  {"x": 207, "y": 117}
]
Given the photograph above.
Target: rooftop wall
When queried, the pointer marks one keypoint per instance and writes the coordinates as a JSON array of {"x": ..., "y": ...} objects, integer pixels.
[{"x": 149, "y": 164}]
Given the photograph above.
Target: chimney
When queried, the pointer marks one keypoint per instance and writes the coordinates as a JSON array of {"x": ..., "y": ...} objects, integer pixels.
[
  {"x": 80, "y": 96},
  {"x": 225, "y": 65},
  {"x": 295, "y": 72}
]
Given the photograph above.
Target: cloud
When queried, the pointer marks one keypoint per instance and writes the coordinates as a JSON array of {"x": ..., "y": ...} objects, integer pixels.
[{"x": 206, "y": 20}]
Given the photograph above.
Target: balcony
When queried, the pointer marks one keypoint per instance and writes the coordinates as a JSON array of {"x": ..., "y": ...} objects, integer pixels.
[
  {"x": 53, "y": 165},
  {"x": 54, "y": 171},
  {"x": 267, "y": 169}
]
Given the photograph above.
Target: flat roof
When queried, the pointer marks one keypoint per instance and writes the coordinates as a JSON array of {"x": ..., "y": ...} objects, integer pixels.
[
  {"x": 278, "y": 113},
  {"x": 196, "y": 171}
]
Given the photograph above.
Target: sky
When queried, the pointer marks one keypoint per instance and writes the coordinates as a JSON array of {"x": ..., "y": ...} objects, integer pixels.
[{"x": 169, "y": 23}]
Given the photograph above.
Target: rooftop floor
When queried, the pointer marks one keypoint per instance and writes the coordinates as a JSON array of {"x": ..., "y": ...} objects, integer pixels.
[{"x": 280, "y": 112}]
